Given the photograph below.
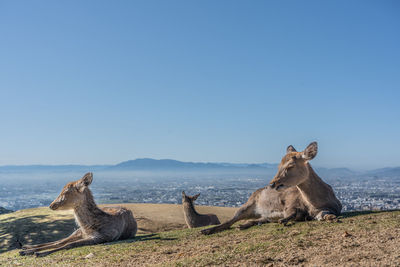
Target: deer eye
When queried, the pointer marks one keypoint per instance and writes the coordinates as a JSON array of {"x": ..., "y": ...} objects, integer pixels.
[{"x": 291, "y": 165}]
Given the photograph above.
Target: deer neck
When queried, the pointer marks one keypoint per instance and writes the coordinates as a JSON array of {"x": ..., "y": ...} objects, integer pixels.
[
  {"x": 313, "y": 189},
  {"x": 88, "y": 213},
  {"x": 188, "y": 208}
]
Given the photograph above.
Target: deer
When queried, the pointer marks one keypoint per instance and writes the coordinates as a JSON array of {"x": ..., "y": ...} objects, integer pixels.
[
  {"x": 95, "y": 225},
  {"x": 194, "y": 219},
  {"x": 296, "y": 193}
]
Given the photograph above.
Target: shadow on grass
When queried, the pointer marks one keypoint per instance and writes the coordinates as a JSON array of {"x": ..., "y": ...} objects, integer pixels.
[
  {"x": 149, "y": 226},
  {"x": 30, "y": 230},
  {"x": 350, "y": 214},
  {"x": 140, "y": 238}
]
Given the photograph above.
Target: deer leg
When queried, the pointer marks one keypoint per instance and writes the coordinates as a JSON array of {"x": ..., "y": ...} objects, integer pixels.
[
  {"x": 78, "y": 243},
  {"x": 253, "y": 222},
  {"x": 245, "y": 212},
  {"x": 29, "y": 250},
  {"x": 28, "y": 247},
  {"x": 74, "y": 234},
  {"x": 292, "y": 215}
]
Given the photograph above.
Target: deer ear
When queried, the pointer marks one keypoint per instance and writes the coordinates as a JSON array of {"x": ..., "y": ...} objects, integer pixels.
[
  {"x": 311, "y": 151},
  {"x": 183, "y": 194},
  {"x": 290, "y": 149},
  {"x": 195, "y": 196},
  {"x": 85, "y": 181}
]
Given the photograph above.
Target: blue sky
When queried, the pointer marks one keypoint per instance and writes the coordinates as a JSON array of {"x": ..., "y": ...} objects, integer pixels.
[{"x": 95, "y": 82}]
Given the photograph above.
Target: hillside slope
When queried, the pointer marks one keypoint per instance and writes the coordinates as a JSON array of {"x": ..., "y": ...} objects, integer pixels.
[
  {"x": 367, "y": 239},
  {"x": 32, "y": 226}
]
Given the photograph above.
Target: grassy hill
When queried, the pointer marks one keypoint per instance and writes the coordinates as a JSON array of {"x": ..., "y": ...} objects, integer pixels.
[{"x": 367, "y": 239}]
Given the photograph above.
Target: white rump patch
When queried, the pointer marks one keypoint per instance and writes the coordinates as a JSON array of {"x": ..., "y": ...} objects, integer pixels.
[{"x": 271, "y": 215}]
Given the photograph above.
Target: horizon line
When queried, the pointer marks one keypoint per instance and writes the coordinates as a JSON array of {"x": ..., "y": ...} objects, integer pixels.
[{"x": 160, "y": 159}]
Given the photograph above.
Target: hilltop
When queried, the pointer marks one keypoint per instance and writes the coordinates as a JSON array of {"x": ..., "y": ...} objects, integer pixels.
[{"x": 359, "y": 238}]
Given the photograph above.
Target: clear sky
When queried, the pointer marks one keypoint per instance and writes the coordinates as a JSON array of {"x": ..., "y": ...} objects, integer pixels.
[{"x": 94, "y": 82}]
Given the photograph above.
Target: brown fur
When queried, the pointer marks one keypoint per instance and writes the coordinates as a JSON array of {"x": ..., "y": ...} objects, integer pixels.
[
  {"x": 194, "y": 219},
  {"x": 95, "y": 225},
  {"x": 295, "y": 170},
  {"x": 295, "y": 193}
]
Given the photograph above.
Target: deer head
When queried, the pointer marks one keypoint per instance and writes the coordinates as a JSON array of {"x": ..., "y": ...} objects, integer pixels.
[
  {"x": 293, "y": 169},
  {"x": 189, "y": 199},
  {"x": 73, "y": 193}
]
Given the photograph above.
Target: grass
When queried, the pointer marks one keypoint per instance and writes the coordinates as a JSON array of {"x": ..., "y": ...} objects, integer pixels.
[
  {"x": 39, "y": 225},
  {"x": 370, "y": 239}
]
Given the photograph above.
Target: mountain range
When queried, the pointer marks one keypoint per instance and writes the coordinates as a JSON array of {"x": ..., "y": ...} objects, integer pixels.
[
  {"x": 148, "y": 164},
  {"x": 169, "y": 164}
]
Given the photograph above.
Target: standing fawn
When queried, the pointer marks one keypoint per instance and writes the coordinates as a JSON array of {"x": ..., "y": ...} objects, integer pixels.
[
  {"x": 95, "y": 225},
  {"x": 192, "y": 218},
  {"x": 295, "y": 193}
]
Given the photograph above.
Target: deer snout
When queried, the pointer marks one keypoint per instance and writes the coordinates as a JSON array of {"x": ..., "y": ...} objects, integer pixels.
[
  {"x": 54, "y": 205},
  {"x": 277, "y": 185}
]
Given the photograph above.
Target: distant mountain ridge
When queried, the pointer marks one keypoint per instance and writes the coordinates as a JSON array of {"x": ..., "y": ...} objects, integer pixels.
[
  {"x": 149, "y": 164},
  {"x": 386, "y": 172}
]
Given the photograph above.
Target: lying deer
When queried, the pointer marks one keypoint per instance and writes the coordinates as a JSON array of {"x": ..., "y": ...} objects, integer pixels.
[
  {"x": 95, "y": 225},
  {"x": 192, "y": 218},
  {"x": 295, "y": 193}
]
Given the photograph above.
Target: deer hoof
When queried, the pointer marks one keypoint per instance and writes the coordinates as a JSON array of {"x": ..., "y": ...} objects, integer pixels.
[
  {"x": 26, "y": 252},
  {"x": 41, "y": 254},
  {"x": 283, "y": 222},
  {"x": 243, "y": 226}
]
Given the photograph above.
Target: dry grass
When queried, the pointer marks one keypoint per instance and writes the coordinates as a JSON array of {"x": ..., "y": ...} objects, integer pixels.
[
  {"x": 33, "y": 226},
  {"x": 359, "y": 239},
  {"x": 154, "y": 218}
]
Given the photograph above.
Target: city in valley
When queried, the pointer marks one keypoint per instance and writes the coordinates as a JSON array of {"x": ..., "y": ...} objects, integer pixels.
[{"x": 374, "y": 190}]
